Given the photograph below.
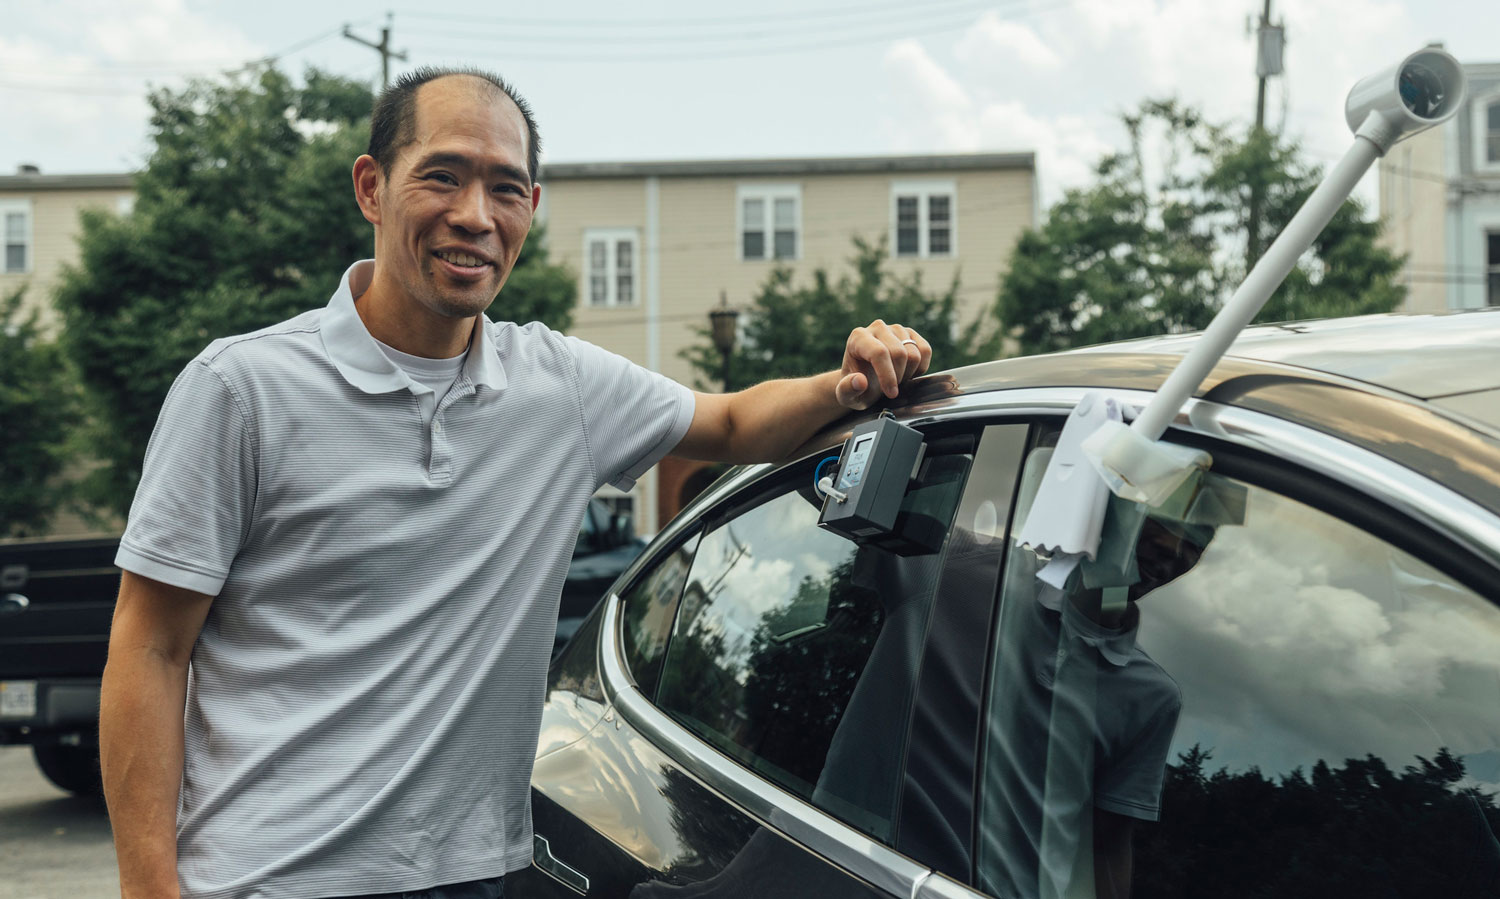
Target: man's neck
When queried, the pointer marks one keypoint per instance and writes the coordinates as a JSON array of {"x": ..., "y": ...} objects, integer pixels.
[{"x": 412, "y": 330}]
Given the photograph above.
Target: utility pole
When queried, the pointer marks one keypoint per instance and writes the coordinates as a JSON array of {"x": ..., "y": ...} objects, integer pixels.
[
  {"x": 384, "y": 49},
  {"x": 1269, "y": 40}
]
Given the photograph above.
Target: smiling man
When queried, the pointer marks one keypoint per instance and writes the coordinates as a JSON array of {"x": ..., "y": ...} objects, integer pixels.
[{"x": 343, "y": 563}]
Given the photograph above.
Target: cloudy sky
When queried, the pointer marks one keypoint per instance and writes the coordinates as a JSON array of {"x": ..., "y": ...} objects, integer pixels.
[{"x": 669, "y": 79}]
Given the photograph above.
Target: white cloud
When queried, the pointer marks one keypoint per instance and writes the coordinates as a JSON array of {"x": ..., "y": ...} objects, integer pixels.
[
  {"x": 994, "y": 41},
  {"x": 73, "y": 72},
  {"x": 1055, "y": 82},
  {"x": 932, "y": 111}
]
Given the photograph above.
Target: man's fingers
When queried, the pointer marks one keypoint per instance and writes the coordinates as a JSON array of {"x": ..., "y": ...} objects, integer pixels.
[
  {"x": 883, "y": 356},
  {"x": 888, "y": 356},
  {"x": 851, "y": 391},
  {"x": 918, "y": 351}
]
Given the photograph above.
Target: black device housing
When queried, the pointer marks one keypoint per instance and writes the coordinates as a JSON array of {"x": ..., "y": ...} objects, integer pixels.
[{"x": 877, "y": 463}]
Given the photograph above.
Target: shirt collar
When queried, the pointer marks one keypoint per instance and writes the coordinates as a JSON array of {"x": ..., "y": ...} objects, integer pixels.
[
  {"x": 364, "y": 365},
  {"x": 1115, "y": 644}
]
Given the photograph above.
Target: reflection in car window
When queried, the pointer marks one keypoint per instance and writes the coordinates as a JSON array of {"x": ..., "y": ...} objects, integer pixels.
[
  {"x": 795, "y": 651},
  {"x": 647, "y": 615},
  {"x": 1276, "y": 684}
]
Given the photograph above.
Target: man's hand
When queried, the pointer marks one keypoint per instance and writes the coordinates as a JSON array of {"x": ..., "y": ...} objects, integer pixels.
[
  {"x": 877, "y": 360},
  {"x": 769, "y": 420}
]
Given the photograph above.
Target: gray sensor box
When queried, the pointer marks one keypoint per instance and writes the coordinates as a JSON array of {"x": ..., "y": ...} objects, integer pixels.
[{"x": 878, "y": 461}]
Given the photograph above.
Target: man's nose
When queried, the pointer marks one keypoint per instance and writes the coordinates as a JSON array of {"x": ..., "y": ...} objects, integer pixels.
[{"x": 470, "y": 209}]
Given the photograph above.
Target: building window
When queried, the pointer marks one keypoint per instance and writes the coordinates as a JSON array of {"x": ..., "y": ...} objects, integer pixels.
[
  {"x": 923, "y": 218},
  {"x": 770, "y": 222},
  {"x": 17, "y": 222},
  {"x": 1486, "y": 124},
  {"x": 1493, "y": 269},
  {"x": 612, "y": 269},
  {"x": 1492, "y": 132}
]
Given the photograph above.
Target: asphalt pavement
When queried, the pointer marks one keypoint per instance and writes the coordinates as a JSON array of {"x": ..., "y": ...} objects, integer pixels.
[{"x": 52, "y": 845}]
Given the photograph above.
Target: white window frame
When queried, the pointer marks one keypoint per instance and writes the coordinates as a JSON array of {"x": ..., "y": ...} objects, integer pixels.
[
  {"x": 8, "y": 207},
  {"x": 612, "y": 238},
  {"x": 768, "y": 194},
  {"x": 1480, "y": 121},
  {"x": 924, "y": 191}
]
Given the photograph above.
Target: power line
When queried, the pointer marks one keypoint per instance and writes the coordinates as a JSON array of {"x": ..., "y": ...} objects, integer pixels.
[
  {"x": 383, "y": 48},
  {"x": 771, "y": 30},
  {"x": 726, "y": 53},
  {"x": 87, "y": 82},
  {"x": 708, "y": 21}
]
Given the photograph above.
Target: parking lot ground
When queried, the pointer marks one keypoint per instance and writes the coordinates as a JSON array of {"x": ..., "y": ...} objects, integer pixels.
[{"x": 52, "y": 845}]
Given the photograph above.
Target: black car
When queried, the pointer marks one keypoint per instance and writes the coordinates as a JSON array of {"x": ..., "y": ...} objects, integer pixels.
[
  {"x": 57, "y": 598},
  {"x": 1292, "y": 690}
]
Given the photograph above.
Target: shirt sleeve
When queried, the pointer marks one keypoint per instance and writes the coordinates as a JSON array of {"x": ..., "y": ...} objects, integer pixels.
[
  {"x": 1133, "y": 783},
  {"x": 634, "y": 416},
  {"x": 193, "y": 507}
]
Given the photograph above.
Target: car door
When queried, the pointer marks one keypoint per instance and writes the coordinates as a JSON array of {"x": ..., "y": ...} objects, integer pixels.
[
  {"x": 1284, "y": 685},
  {"x": 746, "y": 727}
]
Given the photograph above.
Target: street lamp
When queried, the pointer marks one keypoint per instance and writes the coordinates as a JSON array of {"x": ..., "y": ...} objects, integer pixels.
[{"x": 723, "y": 321}]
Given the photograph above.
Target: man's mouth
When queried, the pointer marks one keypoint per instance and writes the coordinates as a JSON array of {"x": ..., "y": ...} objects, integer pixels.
[{"x": 462, "y": 260}]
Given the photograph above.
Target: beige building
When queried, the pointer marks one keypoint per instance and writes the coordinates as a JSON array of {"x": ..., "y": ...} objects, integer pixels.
[
  {"x": 39, "y": 214},
  {"x": 1440, "y": 201},
  {"x": 656, "y": 243}
]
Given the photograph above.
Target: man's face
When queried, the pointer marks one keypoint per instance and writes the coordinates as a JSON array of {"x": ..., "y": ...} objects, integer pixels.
[
  {"x": 457, "y": 203},
  {"x": 1162, "y": 555}
]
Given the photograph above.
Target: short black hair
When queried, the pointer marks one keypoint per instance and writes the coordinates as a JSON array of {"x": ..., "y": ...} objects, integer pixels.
[{"x": 393, "y": 124}]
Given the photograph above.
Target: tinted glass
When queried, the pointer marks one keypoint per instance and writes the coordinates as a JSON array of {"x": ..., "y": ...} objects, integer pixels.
[
  {"x": 795, "y": 651},
  {"x": 647, "y": 614},
  {"x": 786, "y": 244},
  {"x": 937, "y": 806},
  {"x": 1492, "y": 138},
  {"x": 906, "y": 226},
  {"x": 1274, "y": 685}
]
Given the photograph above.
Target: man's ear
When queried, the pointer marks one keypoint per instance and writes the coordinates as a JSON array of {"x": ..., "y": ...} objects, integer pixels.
[
  {"x": 536, "y": 196},
  {"x": 367, "y": 188}
]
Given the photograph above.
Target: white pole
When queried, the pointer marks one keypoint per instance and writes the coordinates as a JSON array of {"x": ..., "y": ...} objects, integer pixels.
[{"x": 1262, "y": 281}]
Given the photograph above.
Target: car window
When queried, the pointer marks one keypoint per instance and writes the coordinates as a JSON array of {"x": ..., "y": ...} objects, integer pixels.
[
  {"x": 795, "y": 651},
  {"x": 1255, "y": 698},
  {"x": 937, "y": 804},
  {"x": 647, "y": 613},
  {"x": 588, "y": 530}
]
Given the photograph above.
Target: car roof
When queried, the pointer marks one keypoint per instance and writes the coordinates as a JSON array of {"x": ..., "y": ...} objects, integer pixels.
[
  {"x": 1421, "y": 390},
  {"x": 1431, "y": 357}
]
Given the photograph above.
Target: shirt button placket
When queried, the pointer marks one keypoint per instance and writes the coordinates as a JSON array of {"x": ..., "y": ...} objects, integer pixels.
[{"x": 440, "y": 468}]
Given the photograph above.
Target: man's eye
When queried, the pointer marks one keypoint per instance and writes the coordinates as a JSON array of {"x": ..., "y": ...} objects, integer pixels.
[{"x": 444, "y": 177}]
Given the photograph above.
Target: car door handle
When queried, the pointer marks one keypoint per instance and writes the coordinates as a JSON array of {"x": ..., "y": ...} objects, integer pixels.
[
  {"x": 541, "y": 856},
  {"x": 13, "y": 604}
]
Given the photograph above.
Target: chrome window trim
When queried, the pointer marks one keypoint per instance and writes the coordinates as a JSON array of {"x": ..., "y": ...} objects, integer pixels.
[
  {"x": 779, "y": 810},
  {"x": 940, "y": 886},
  {"x": 1458, "y": 518}
]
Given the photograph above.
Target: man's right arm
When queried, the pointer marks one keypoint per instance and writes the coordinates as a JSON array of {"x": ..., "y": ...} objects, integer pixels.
[{"x": 141, "y": 707}]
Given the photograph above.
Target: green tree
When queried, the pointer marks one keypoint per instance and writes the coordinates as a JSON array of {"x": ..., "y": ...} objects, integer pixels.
[
  {"x": 1156, "y": 245},
  {"x": 794, "y": 329},
  {"x": 38, "y": 408},
  {"x": 244, "y": 216}
]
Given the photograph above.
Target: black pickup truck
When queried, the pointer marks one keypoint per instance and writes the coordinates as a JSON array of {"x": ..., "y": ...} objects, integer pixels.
[{"x": 56, "y": 601}]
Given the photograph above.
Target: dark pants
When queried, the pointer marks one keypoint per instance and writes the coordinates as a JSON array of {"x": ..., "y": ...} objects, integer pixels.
[{"x": 494, "y": 888}]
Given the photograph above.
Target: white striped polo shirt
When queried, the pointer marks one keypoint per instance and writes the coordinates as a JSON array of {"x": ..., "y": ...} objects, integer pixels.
[{"x": 364, "y": 698}]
